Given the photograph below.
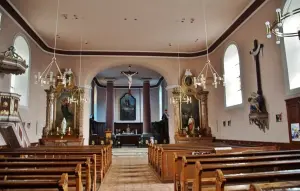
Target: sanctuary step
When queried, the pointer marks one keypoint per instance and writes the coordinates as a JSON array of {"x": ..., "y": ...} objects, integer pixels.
[{"x": 129, "y": 151}]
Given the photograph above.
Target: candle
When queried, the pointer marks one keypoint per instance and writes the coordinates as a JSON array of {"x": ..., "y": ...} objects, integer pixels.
[
  {"x": 51, "y": 76},
  {"x": 69, "y": 81}
]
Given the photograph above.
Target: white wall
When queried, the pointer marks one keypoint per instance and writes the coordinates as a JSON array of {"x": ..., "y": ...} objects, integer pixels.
[
  {"x": 138, "y": 94},
  {"x": 101, "y": 104},
  {"x": 271, "y": 70},
  {"x": 35, "y": 112},
  {"x": 272, "y": 74}
]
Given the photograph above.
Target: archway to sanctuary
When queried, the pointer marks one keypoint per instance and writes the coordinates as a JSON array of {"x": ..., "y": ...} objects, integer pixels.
[{"x": 129, "y": 107}]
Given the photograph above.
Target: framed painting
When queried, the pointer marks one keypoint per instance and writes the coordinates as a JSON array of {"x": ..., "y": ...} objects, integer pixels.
[
  {"x": 127, "y": 107},
  {"x": 65, "y": 110}
]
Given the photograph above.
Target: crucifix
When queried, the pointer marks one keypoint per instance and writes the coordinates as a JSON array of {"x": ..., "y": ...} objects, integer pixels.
[
  {"x": 258, "y": 48},
  {"x": 258, "y": 112},
  {"x": 129, "y": 75}
]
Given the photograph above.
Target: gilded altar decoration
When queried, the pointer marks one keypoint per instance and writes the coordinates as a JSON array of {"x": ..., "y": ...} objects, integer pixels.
[
  {"x": 12, "y": 63},
  {"x": 192, "y": 119},
  {"x": 64, "y": 108}
]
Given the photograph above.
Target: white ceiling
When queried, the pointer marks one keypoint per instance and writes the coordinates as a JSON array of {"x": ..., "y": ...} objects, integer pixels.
[
  {"x": 158, "y": 23},
  {"x": 121, "y": 80}
]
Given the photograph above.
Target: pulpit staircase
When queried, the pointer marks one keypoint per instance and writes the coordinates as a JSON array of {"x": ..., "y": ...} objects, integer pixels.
[{"x": 14, "y": 134}]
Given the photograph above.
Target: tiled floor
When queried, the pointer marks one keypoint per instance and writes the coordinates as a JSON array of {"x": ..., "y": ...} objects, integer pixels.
[{"x": 132, "y": 173}]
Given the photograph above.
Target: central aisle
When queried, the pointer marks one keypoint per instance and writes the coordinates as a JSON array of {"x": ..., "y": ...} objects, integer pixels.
[{"x": 130, "y": 172}]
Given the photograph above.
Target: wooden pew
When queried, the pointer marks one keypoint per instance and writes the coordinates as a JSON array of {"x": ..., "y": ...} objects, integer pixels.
[
  {"x": 153, "y": 148},
  {"x": 166, "y": 170},
  {"x": 232, "y": 168},
  {"x": 60, "y": 184},
  {"x": 240, "y": 182},
  {"x": 51, "y": 164},
  {"x": 104, "y": 152},
  {"x": 50, "y": 171},
  {"x": 190, "y": 170},
  {"x": 89, "y": 164},
  {"x": 275, "y": 185},
  {"x": 61, "y": 154}
]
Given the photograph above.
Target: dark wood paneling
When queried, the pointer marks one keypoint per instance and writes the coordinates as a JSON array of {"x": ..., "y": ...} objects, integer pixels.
[
  {"x": 293, "y": 114},
  {"x": 132, "y": 126}
]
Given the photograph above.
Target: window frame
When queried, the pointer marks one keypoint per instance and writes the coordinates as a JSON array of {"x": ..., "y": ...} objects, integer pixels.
[
  {"x": 1, "y": 19},
  {"x": 28, "y": 69},
  {"x": 288, "y": 91},
  {"x": 241, "y": 73}
]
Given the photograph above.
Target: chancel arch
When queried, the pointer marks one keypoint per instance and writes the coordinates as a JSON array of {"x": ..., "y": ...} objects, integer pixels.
[{"x": 113, "y": 75}]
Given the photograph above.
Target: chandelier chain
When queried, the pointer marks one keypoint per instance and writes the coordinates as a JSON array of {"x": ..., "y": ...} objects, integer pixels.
[
  {"x": 56, "y": 29},
  {"x": 205, "y": 27}
]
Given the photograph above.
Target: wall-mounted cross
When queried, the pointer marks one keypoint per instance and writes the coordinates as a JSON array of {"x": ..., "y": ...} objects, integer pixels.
[
  {"x": 258, "y": 116},
  {"x": 255, "y": 52}
]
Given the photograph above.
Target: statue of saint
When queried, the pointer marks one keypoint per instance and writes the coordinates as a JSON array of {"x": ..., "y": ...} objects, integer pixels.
[
  {"x": 63, "y": 126},
  {"x": 128, "y": 129},
  {"x": 191, "y": 125}
]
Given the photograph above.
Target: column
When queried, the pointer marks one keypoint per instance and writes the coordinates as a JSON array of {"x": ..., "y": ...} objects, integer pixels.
[
  {"x": 146, "y": 107},
  {"x": 204, "y": 114},
  {"x": 92, "y": 99},
  {"x": 110, "y": 106},
  {"x": 50, "y": 110}
]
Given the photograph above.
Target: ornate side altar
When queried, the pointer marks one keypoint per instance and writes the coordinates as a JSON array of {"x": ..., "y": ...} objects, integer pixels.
[
  {"x": 191, "y": 119},
  {"x": 64, "y": 113}
]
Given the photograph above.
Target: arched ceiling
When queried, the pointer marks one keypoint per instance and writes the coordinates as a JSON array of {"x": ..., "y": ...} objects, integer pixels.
[
  {"x": 121, "y": 80},
  {"x": 130, "y": 25}
]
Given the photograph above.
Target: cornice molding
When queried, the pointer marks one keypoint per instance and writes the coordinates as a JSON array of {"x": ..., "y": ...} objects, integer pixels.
[
  {"x": 243, "y": 17},
  {"x": 133, "y": 87}
]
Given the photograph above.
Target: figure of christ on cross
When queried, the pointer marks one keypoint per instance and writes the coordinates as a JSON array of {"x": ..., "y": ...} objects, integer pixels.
[
  {"x": 129, "y": 75},
  {"x": 258, "y": 98}
]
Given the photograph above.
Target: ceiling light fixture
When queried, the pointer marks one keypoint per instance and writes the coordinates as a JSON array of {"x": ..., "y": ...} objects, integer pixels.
[
  {"x": 179, "y": 96},
  {"x": 47, "y": 77},
  {"x": 80, "y": 88},
  {"x": 276, "y": 26},
  {"x": 201, "y": 79}
]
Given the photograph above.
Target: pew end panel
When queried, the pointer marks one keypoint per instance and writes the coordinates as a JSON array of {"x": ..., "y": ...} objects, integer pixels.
[
  {"x": 198, "y": 172},
  {"x": 79, "y": 186},
  {"x": 220, "y": 180},
  {"x": 63, "y": 182}
]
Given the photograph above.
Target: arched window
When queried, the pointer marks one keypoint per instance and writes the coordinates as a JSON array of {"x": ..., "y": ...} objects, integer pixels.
[
  {"x": 292, "y": 45},
  {"x": 20, "y": 83},
  {"x": 233, "y": 92},
  {"x": 0, "y": 20}
]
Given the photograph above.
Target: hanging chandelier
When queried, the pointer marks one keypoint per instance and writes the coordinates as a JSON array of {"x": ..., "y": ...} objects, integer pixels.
[
  {"x": 47, "y": 77},
  {"x": 179, "y": 96},
  {"x": 201, "y": 79},
  {"x": 79, "y": 89},
  {"x": 276, "y": 26}
]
